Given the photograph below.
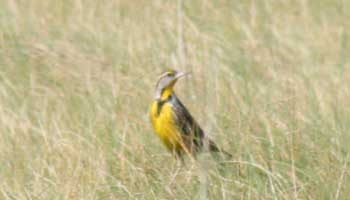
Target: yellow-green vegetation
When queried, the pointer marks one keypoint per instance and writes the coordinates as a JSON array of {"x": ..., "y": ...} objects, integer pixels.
[{"x": 270, "y": 84}]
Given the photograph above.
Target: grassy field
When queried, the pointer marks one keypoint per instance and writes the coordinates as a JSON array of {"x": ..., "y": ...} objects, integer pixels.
[{"x": 270, "y": 83}]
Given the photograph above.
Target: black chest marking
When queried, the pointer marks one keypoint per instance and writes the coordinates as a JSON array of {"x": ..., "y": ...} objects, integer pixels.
[{"x": 160, "y": 104}]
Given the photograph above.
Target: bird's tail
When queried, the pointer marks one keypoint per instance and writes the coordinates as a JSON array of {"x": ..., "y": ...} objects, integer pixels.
[{"x": 214, "y": 148}]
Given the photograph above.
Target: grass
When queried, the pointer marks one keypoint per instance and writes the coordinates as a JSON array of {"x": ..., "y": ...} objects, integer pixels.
[{"x": 270, "y": 84}]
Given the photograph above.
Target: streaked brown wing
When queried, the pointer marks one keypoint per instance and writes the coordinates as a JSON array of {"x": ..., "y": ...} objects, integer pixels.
[{"x": 186, "y": 124}]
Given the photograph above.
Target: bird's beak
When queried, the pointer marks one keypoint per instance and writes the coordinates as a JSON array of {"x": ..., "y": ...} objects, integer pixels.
[{"x": 181, "y": 74}]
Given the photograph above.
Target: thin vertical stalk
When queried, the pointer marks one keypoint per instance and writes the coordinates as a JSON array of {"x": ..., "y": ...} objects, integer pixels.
[{"x": 180, "y": 34}]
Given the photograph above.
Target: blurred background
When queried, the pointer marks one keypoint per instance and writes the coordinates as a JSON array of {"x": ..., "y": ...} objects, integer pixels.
[{"x": 270, "y": 83}]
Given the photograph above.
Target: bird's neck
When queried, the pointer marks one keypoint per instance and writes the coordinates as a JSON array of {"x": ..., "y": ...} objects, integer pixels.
[{"x": 165, "y": 94}]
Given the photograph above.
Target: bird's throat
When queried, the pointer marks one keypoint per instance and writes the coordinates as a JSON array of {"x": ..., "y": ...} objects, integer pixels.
[
  {"x": 166, "y": 93},
  {"x": 164, "y": 97}
]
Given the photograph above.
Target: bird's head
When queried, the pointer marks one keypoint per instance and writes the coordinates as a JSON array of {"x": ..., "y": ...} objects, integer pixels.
[{"x": 166, "y": 82}]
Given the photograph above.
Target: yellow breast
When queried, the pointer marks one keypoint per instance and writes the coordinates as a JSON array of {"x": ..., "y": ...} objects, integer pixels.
[{"x": 164, "y": 126}]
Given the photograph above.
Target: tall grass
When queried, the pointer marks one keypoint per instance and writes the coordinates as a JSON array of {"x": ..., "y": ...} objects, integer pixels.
[{"x": 270, "y": 83}]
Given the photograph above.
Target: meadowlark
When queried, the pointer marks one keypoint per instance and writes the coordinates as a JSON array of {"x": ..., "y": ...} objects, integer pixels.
[{"x": 173, "y": 123}]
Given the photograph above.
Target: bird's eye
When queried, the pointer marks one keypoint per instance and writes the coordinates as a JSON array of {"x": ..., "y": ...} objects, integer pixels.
[{"x": 169, "y": 74}]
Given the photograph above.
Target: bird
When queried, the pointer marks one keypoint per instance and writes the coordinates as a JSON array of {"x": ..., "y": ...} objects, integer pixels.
[{"x": 174, "y": 124}]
